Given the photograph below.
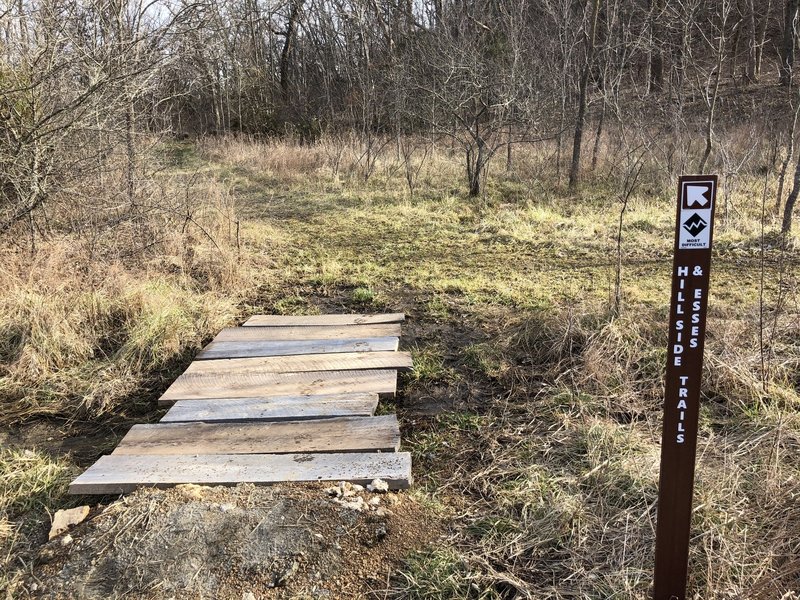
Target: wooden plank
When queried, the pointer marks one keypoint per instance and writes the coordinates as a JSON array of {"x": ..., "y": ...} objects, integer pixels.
[
  {"x": 342, "y": 434},
  {"x": 117, "y": 474},
  {"x": 301, "y": 363},
  {"x": 288, "y": 408},
  {"x": 309, "y": 320},
  {"x": 339, "y": 332},
  {"x": 289, "y": 348},
  {"x": 190, "y": 386}
]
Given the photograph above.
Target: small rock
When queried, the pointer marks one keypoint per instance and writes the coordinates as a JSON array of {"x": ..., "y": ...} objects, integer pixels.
[
  {"x": 374, "y": 501},
  {"x": 34, "y": 586},
  {"x": 392, "y": 499},
  {"x": 355, "y": 503},
  {"x": 64, "y": 519},
  {"x": 248, "y": 596},
  {"x": 357, "y": 488},
  {"x": 383, "y": 512},
  {"x": 378, "y": 486},
  {"x": 66, "y": 540},
  {"x": 227, "y": 507},
  {"x": 333, "y": 492}
]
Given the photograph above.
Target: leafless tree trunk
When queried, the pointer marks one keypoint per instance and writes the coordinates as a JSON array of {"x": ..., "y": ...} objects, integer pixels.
[
  {"x": 288, "y": 43},
  {"x": 761, "y": 35},
  {"x": 786, "y": 159},
  {"x": 788, "y": 209},
  {"x": 711, "y": 91},
  {"x": 789, "y": 41},
  {"x": 583, "y": 95},
  {"x": 655, "y": 15}
]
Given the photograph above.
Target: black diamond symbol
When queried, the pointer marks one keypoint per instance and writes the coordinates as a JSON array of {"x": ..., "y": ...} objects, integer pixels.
[{"x": 694, "y": 224}]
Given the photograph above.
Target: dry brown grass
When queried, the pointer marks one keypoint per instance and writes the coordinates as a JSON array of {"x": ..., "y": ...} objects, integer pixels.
[
  {"x": 5, "y": 529},
  {"x": 558, "y": 483},
  {"x": 115, "y": 292},
  {"x": 79, "y": 342},
  {"x": 343, "y": 162}
]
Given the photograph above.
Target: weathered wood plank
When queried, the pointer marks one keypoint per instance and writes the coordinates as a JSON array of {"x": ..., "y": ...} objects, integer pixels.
[
  {"x": 339, "y": 332},
  {"x": 301, "y": 363},
  {"x": 190, "y": 386},
  {"x": 288, "y": 408},
  {"x": 310, "y": 320},
  {"x": 117, "y": 474},
  {"x": 342, "y": 434},
  {"x": 289, "y": 348}
]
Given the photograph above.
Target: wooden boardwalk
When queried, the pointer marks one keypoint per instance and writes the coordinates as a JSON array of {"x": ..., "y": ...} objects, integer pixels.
[{"x": 278, "y": 399}]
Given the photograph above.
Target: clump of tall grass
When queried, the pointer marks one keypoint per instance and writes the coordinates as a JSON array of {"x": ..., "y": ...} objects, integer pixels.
[
  {"x": 622, "y": 359},
  {"x": 32, "y": 484},
  {"x": 79, "y": 341},
  {"x": 30, "y": 480},
  {"x": 89, "y": 314}
]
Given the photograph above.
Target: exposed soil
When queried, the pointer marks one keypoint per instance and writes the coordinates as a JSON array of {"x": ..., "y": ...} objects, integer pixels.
[
  {"x": 217, "y": 542},
  {"x": 84, "y": 442}
]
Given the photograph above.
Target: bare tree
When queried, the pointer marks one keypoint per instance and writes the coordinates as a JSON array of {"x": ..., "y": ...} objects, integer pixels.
[
  {"x": 472, "y": 74},
  {"x": 789, "y": 41},
  {"x": 655, "y": 17},
  {"x": 710, "y": 89},
  {"x": 593, "y": 12},
  {"x": 65, "y": 81},
  {"x": 791, "y": 201}
]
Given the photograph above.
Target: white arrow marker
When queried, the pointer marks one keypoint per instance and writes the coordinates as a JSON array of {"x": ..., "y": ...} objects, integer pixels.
[{"x": 698, "y": 195}]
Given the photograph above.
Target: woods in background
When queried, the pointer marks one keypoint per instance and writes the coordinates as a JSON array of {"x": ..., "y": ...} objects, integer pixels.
[{"x": 689, "y": 85}]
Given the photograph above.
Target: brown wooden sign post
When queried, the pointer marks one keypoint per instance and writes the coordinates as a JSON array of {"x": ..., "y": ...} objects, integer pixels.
[{"x": 687, "y": 329}]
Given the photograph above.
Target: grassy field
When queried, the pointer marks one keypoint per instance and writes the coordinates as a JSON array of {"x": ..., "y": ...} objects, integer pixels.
[{"x": 533, "y": 412}]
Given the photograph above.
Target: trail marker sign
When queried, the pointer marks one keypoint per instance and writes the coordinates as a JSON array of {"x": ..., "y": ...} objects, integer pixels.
[{"x": 687, "y": 329}]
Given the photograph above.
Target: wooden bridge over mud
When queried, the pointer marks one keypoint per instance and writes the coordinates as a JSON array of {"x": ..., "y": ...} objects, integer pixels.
[{"x": 278, "y": 399}]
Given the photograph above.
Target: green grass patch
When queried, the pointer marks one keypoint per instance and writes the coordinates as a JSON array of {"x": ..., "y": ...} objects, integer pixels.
[
  {"x": 429, "y": 365},
  {"x": 440, "y": 574},
  {"x": 364, "y": 295}
]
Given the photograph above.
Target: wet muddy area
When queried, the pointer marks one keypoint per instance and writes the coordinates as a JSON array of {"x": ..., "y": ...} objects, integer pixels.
[{"x": 84, "y": 442}]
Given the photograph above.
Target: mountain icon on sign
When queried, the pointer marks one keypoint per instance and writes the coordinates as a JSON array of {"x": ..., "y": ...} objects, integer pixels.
[
  {"x": 694, "y": 224},
  {"x": 698, "y": 195}
]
